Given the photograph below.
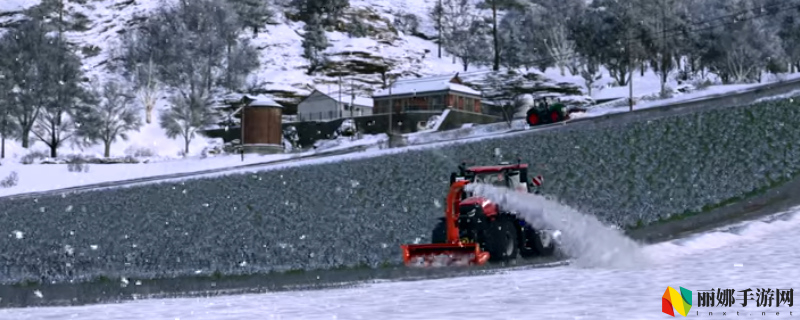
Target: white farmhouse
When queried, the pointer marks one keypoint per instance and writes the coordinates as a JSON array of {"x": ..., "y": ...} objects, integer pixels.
[{"x": 321, "y": 106}]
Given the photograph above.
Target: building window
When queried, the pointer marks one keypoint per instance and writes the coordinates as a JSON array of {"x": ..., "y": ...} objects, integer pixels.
[
  {"x": 440, "y": 102},
  {"x": 477, "y": 105}
]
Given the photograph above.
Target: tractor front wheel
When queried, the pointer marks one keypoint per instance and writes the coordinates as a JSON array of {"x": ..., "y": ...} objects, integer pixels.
[
  {"x": 536, "y": 245},
  {"x": 501, "y": 240},
  {"x": 544, "y": 244},
  {"x": 529, "y": 249}
]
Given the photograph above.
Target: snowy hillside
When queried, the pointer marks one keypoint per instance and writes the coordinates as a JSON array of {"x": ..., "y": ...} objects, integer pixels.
[
  {"x": 99, "y": 22},
  {"x": 95, "y": 27}
]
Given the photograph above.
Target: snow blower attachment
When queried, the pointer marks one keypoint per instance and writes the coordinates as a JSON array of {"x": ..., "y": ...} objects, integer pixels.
[
  {"x": 475, "y": 230},
  {"x": 453, "y": 251}
]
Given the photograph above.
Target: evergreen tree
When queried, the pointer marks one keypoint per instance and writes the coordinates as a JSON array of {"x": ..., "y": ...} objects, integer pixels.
[
  {"x": 314, "y": 44},
  {"x": 254, "y": 14}
]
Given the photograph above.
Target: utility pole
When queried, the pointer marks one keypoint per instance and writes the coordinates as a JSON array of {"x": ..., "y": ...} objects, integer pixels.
[
  {"x": 630, "y": 88},
  {"x": 339, "y": 103},
  {"x": 352, "y": 117},
  {"x": 391, "y": 106},
  {"x": 241, "y": 132}
]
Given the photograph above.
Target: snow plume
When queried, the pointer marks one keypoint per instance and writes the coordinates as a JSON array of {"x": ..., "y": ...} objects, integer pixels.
[{"x": 585, "y": 239}]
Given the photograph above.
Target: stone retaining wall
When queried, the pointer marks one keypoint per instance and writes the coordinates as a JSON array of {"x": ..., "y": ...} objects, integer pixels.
[{"x": 359, "y": 212}]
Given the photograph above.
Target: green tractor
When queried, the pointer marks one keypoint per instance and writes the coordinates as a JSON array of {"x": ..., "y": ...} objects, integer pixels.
[{"x": 546, "y": 109}]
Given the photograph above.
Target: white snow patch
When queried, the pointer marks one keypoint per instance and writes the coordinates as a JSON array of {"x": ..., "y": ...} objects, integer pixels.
[
  {"x": 725, "y": 236},
  {"x": 16, "y": 5},
  {"x": 43, "y": 177}
]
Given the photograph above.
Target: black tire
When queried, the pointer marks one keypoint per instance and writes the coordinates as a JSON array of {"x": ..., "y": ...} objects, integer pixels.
[
  {"x": 528, "y": 247},
  {"x": 541, "y": 249},
  {"x": 439, "y": 234},
  {"x": 534, "y": 246},
  {"x": 502, "y": 240},
  {"x": 532, "y": 117}
]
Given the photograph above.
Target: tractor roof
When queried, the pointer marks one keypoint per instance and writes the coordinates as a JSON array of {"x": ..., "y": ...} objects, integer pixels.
[{"x": 497, "y": 168}]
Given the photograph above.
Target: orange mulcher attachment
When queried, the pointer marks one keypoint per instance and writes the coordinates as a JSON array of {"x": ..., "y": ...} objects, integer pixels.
[{"x": 453, "y": 252}]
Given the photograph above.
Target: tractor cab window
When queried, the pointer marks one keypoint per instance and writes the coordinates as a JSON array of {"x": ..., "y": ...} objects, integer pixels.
[
  {"x": 496, "y": 179},
  {"x": 513, "y": 179}
]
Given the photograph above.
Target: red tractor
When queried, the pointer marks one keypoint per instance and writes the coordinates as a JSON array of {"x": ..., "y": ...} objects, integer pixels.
[{"x": 475, "y": 229}]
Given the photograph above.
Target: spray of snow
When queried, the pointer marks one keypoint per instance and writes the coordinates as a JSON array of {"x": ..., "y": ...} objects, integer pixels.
[{"x": 586, "y": 240}]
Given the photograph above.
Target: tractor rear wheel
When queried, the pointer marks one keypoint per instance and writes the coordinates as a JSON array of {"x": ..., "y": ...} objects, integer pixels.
[
  {"x": 501, "y": 240},
  {"x": 439, "y": 234}
]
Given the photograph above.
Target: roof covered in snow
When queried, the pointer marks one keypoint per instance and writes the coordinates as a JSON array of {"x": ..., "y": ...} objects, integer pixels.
[
  {"x": 265, "y": 102},
  {"x": 257, "y": 100},
  {"x": 358, "y": 101},
  {"x": 426, "y": 84}
]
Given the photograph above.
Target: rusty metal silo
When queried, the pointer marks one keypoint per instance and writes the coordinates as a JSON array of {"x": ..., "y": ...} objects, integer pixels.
[{"x": 261, "y": 126}]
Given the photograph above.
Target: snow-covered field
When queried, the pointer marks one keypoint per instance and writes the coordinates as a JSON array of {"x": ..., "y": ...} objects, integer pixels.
[
  {"x": 750, "y": 255},
  {"x": 14, "y": 5},
  {"x": 708, "y": 92}
]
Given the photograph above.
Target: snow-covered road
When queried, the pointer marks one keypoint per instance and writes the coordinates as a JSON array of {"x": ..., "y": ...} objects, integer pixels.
[{"x": 750, "y": 255}]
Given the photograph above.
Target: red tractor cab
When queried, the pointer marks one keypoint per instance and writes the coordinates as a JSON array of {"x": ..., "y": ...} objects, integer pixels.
[{"x": 512, "y": 176}]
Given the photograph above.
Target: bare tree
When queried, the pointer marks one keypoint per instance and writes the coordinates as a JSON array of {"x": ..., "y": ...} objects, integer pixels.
[
  {"x": 437, "y": 15},
  {"x": 254, "y": 13},
  {"x": 193, "y": 51},
  {"x": 590, "y": 72},
  {"x": 8, "y": 103},
  {"x": 29, "y": 81},
  {"x": 496, "y": 5},
  {"x": 111, "y": 118},
  {"x": 588, "y": 50},
  {"x": 552, "y": 20},
  {"x": 498, "y": 88},
  {"x": 62, "y": 92},
  {"x": 458, "y": 16},
  {"x": 559, "y": 46},
  {"x": 663, "y": 16},
  {"x": 148, "y": 90},
  {"x": 185, "y": 116},
  {"x": 469, "y": 45}
]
